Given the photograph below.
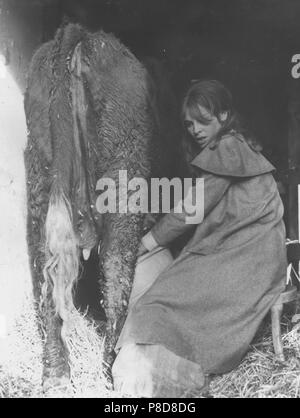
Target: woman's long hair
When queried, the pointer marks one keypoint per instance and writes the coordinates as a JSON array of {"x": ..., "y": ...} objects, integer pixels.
[{"x": 216, "y": 99}]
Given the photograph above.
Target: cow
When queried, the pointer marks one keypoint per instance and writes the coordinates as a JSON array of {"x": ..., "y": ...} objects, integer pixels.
[{"x": 92, "y": 110}]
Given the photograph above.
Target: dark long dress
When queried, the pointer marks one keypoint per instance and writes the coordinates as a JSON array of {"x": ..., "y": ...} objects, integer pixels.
[{"x": 208, "y": 304}]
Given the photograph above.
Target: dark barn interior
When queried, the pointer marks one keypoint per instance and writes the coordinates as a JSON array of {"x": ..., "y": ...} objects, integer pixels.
[{"x": 247, "y": 45}]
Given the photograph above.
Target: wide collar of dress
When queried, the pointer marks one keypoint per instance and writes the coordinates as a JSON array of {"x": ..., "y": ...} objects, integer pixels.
[{"x": 232, "y": 156}]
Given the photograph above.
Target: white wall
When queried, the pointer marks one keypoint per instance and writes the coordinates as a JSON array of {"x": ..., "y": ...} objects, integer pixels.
[{"x": 15, "y": 281}]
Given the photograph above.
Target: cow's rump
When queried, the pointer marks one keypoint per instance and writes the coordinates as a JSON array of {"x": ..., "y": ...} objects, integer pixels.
[{"x": 91, "y": 111}]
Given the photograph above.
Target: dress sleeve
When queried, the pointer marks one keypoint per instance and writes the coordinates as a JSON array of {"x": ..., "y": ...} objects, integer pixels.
[{"x": 175, "y": 224}]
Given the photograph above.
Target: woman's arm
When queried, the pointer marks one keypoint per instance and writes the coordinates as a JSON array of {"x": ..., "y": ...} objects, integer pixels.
[{"x": 174, "y": 224}]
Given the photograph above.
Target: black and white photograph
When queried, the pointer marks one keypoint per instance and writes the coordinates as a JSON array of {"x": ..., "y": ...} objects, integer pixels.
[{"x": 150, "y": 201}]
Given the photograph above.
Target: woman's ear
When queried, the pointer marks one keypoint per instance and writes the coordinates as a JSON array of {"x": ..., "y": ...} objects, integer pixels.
[{"x": 223, "y": 116}]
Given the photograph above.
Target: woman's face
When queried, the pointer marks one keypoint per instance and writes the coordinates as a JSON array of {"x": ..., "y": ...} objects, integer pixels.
[{"x": 200, "y": 131}]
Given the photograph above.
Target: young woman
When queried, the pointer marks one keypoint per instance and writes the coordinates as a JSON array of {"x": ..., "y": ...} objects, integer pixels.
[{"x": 200, "y": 315}]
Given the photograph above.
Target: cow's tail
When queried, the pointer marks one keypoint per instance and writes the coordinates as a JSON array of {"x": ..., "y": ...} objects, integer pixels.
[
  {"x": 61, "y": 269},
  {"x": 62, "y": 256}
]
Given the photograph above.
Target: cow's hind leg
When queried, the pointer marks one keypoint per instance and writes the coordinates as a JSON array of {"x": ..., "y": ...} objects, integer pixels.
[
  {"x": 60, "y": 273},
  {"x": 117, "y": 260},
  {"x": 56, "y": 370},
  {"x": 55, "y": 359},
  {"x": 56, "y": 373}
]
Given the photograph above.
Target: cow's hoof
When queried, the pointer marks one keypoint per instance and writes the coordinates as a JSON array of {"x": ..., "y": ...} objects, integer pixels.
[
  {"x": 56, "y": 387},
  {"x": 56, "y": 380}
]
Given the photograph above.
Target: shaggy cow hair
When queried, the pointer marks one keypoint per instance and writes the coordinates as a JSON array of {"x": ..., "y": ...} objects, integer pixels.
[{"x": 91, "y": 110}]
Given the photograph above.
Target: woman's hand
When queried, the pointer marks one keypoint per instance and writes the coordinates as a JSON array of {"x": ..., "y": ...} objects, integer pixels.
[
  {"x": 142, "y": 250},
  {"x": 149, "y": 222}
]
